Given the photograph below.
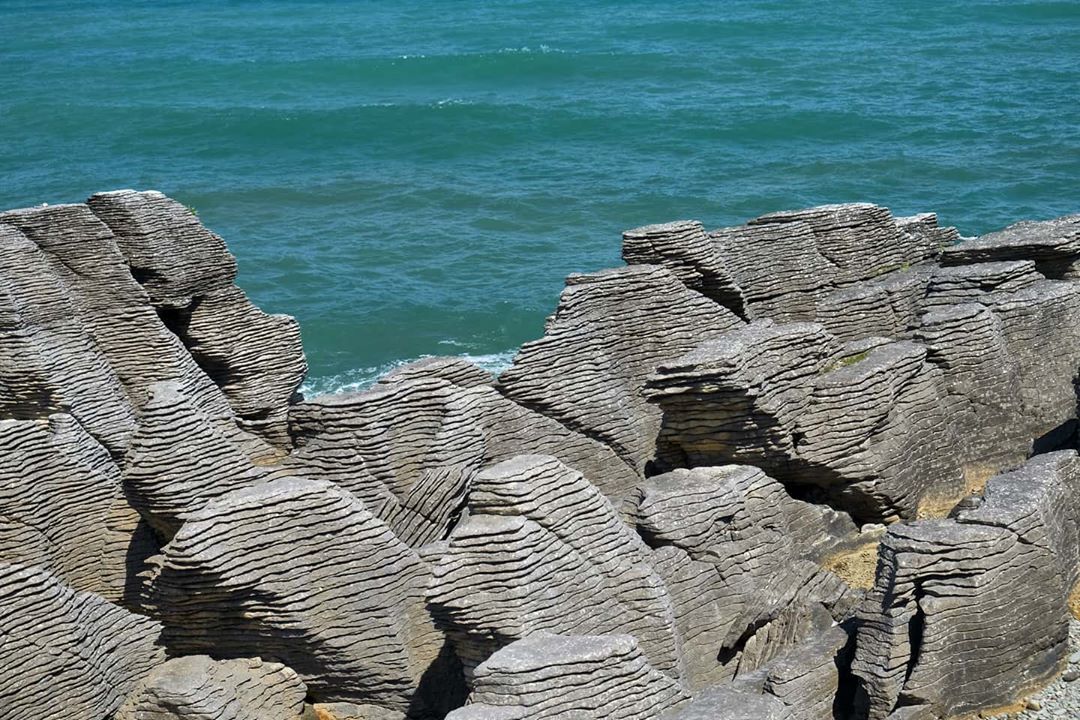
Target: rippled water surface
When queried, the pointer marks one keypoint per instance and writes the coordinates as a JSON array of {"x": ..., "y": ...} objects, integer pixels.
[{"x": 417, "y": 177}]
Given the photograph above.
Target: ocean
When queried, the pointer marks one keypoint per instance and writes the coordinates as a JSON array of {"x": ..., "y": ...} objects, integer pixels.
[{"x": 416, "y": 177}]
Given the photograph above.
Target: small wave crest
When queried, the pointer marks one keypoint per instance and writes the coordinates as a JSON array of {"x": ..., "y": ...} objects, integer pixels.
[
  {"x": 526, "y": 50},
  {"x": 358, "y": 379}
]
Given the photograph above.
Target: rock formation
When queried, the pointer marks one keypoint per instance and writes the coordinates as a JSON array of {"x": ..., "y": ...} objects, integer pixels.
[
  {"x": 67, "y": 653},
  {"x": 667, "y": 507},
  {"x": 581, "y": 676},
  {"x": 300, "y": 572},
  {"x": 195, "y": 687}
]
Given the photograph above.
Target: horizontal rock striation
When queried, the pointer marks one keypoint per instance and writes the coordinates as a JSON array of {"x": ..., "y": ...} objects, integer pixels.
[
  {"x": 666, "y": 507},
  {"x": 196, "y": 687},
  {"x": 581, "y": 676},
  {"x": 188, "y": 273},
  {"x": 543, "y": 550},
  {"x": 969, "y": 613},
  {"x": 610, "y": 330},
  {"x": 68, "y": 653},
  {"x": 300, "y": 572}
]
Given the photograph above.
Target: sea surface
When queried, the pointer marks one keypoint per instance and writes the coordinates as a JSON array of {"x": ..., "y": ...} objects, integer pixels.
[{"x": 417, "y": 177}]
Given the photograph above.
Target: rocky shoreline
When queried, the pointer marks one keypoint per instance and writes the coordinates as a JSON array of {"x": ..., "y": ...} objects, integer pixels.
[{"x": 820, "y": 465}]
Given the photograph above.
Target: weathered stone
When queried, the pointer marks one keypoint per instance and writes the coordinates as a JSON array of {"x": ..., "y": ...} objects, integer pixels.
[
  {"x": 969, "y": 614},
  {"x": 888, "y": 306},
  {"x": 410, "y": 446},
  {"x": 730, "y": 702},
  {"x": 867, "y": 422},
  {"x": 961, "y": 284},
  {"x": 454, "y": 370},
  {"x": 560, "y": 676},
  {"x": 1052, "y": 244},
  {"x": 766, "y": 549},
  {"x": 92, "y": 330},
  {"x": 925, "y": 238},
  {"x": 859, "y": 240},
  {"x": 68, "y": 654},
  {"x": 255, "y": 358},
  {"x": 178, "y": 461},
  {"x": 200, "y": 688},
  {"x": 695, "y": 258},
  {"x": 543, "y": 550},
  {"x": 610, "y": 331},
  {"x": 299, "y": 572},
  {"x": 62, "y": 507}
]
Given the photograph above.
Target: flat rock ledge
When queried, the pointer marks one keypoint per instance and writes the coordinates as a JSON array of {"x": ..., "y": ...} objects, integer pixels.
[{"x": 819, "y": 466}]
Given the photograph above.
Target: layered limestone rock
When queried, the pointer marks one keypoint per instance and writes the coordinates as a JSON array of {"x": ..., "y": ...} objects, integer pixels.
[
  {"x": 409, "y": 446},
  {"x": 178, "y": 461},
  {"x": 300, "y": 572},
  {"x": 457, "y": 371},
  {"x": 730, "y": 702},
  {"x": 543, "y": 550},
  {"x": 62, "y": 507},
  {"x": 1053, "y": 245},
  {"x": 835, "y": 263},
  {"x": 866, "y": 422},
  {"x": 68, "y": 654},
  {"x": 82, "y": 326},
  {"x": 197, "y": 687},
  {"x": 648, "y": 482},
  {"x": 859, "y": 240},
  {"x": 971, "y": 613},
  {"x": 766, "y": 549},
  {"x": 256, "y": 359},
  {"x": 609, "y": 332},
  {"x": 559, "y": 676}
]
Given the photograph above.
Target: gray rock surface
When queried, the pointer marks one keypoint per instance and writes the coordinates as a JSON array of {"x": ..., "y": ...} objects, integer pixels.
[
  {"x": 409, "y": 446},
  {"x": 62, "y": 507},
  {"x": 765, "y": 548},
  {"x": 971, "y": 613},
  {"x": 563, "y": 676},
  {"x": 68, "y": 654},
  {"x": 300, "y": 572},
  {"x": 542, "y": 550},
  {"x": 609, "y": 332},
  {"x": 667, "y": 489},
  {"x": 197, "y": 687},
  {"x": 178, "y": 461},
  {"x": 868, "y": 423},
  {"x": 1052, "y": 244},
  {"x": 256, "y": 359}
]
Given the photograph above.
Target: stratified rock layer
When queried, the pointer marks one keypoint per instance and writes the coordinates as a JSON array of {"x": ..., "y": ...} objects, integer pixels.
[
  {"x": 543, "y": 550},
  {"x": 178, "y": 461},
  {"x": 971, "y": 613},
  {"x": 68, "y": 654},
  {"x": 609, "y": 332},
  {"x": 560, "y": 676},
  {"x": 869, "y": 425},
  {"x": 62, "y": 507},
  {"x": 300, "y": 572},
  {"x": 666, "y": 480},
  {"x": 255, "y": 358},
  {"x": 200, "y": 688}
]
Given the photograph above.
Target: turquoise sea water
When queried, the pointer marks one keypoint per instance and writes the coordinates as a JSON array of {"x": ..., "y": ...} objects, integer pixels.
[{"x": 417, "y": 177}]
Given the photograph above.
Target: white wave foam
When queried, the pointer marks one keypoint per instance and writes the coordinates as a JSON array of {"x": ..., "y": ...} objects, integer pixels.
[
  {"x": 526, "y": 50},
  {"x": 360, "y": 378}
]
